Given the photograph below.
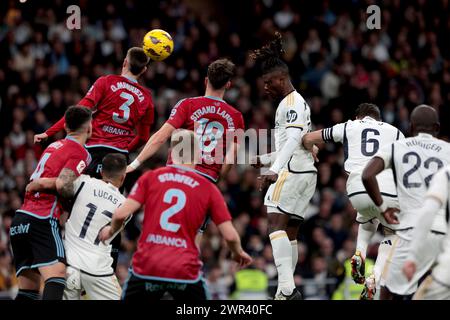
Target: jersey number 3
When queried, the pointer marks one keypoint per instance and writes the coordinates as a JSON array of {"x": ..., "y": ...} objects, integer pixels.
[
  {"x": 179, "y": 204},
  {"x": 125, "y": 107}
]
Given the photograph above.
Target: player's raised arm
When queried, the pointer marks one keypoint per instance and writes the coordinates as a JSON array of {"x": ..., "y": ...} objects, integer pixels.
[
  {"x": 89, "y": 101},
  {"x": 143, "y": 130},
  {"x": 153, "y": 144},
  {"x": 312, "y": 138}
]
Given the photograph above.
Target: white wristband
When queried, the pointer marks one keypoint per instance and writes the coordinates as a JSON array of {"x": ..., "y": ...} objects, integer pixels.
[
  {"x": 383, "y": 207},
  {"x": 135, "y": 164}
]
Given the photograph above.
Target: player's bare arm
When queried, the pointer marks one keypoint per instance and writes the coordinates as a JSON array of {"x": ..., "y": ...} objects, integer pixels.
[
  {"x": 64, "y": 183},
  {"x": 152, "y": 145},
  {"x": 312, "y": 138},
  {"x": 372, "y": 169},
  {"x": 129, "y": 207},
  {"x": 42, "y": 185},
  {"x": 233, "y": 240}
]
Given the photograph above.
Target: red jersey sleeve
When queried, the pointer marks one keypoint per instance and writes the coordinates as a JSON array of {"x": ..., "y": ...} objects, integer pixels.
[
  {"x": 57, "y": 127},
  {"x": 179, "y": 114},
  {"x": 143, "y": 130},
  {"x": 139, "y": 190},
  {"x": 239, "y": 125},
  {"x": 95, "y": 94},
  {"x": 76, "y": 163},
  {"x": 218, "y": 208}
]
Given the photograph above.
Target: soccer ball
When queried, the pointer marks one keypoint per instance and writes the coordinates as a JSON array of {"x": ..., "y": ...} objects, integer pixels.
[{"x": 157, "y": 44}]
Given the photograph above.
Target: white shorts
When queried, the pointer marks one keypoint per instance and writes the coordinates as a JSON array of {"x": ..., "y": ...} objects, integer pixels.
[
  {"x": 431, "y": 289},
  {"x": 291, "y": 193},
  {"x": 367, "y": 210},
  {"x": 392, "y": 274},
  {"x": 96, "y": 288}
]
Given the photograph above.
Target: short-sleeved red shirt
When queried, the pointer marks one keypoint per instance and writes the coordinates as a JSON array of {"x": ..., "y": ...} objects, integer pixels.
[
  {"x": 120, "y": 105},
  {"x": 177, "y": 200},
  {"x": 211, "y": 118},
  {"x": 64, "y": 153}
]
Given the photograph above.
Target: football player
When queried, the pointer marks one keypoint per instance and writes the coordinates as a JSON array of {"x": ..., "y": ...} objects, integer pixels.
[
  {"x": 35, "y": 237},
  {"x": 177, "y": 199},
  {"x": 413, "y": 161},
  {"x": 362, "y": 139},
  {"x": 292, "y": 175}
]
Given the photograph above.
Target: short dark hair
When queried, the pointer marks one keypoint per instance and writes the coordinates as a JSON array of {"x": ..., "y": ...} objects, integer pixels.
[
  {"x": 220, "y": 72},
  {"x": 137, "y": 60},
  {"x": 114, "y": 165},
  {"x": 269, "y": 56},
  {"x": 77, "y": 116},
  {"x": 368, "y": 109}
]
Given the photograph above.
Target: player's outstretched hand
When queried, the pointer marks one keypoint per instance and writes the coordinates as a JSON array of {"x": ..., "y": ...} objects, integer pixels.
[
  {"x": 129, "y": 169},
  {"x": 390, "y": 215},
  {"x": 105, "y": 234},
  {"x": 243, "y": 259},
  {"x": 40, "y": 137},
  {"x": 409, "y": 269},
  {"x": 255, "y": 162},
  {"x": 267, "y": 179}
]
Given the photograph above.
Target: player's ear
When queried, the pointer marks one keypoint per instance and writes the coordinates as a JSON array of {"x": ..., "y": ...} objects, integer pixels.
[
  {"x": 206, "y": 82},
  {"x": 228, "y": 85},
  {"x": 437, "y": 128}
]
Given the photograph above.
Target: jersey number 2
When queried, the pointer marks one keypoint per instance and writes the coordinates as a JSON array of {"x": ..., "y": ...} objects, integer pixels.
[
  {"x": 125, "y": 107},
  {"x": 180, "y": 197}
]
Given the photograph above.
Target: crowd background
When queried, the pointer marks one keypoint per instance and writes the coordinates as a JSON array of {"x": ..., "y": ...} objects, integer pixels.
[{"x": 335, "y": 63}]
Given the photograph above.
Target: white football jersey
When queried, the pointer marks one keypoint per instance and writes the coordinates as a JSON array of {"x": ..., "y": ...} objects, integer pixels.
[
  {"x": 95, "y": 203},
  {"x": 294, "y": 112},
  {"x": 362, "y": 139},
  {"x": 414, "y": 161},
  {"x": 440, "y": 189}
]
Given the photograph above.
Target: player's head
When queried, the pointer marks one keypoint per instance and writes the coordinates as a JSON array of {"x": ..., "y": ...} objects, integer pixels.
[
  {"x": 114, "y": 166},
  {"x": 185, "y": 148},
  {"x": 219, "y": 74},
  {"x": 424, "y": 119},
  {"x": 136, "y": 61},
  {"x": 275, "y": 71},
  {"x": 368, "y": 110},
  {"x": 78, "y": 121}
]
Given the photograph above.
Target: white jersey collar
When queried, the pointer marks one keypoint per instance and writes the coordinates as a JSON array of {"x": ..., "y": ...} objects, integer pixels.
[
  {"x": 425, "y": 135},
  {"x": 369, "y": 118}
]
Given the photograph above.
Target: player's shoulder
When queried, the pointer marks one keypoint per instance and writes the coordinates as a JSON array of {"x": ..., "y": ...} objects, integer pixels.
[{"x": 293, "y": 100}]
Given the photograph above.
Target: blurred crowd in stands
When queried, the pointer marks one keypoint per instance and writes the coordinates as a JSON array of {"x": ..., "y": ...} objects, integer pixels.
[{"x": 335, "y": 63}]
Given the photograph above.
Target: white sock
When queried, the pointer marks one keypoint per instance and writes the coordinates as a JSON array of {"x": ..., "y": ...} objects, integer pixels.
[
  {"x": 365, "y": 234},
  {"x": 282, "y": 254},
  {"x": 294, "y": 249}
]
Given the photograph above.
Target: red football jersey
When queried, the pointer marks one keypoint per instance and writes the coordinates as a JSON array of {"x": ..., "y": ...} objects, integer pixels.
[
  {"x": 177, "y": 200},
  {"x": 120, "y": 105},
  {"x": 64, "y": 153},
  {"x": 210, "y": 118}
]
